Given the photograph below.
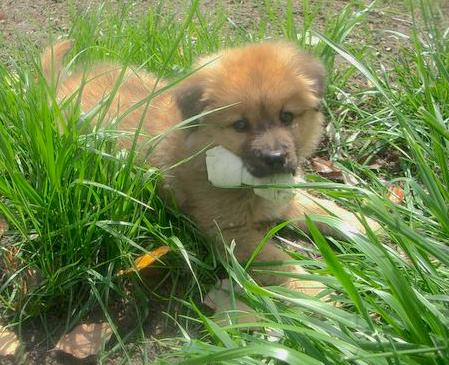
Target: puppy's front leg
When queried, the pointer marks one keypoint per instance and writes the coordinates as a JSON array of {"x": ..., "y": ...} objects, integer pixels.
[
  {"x": 219, "y": 298},
  {"x": 306, "y": 204},
  {"x": 247, "y": 241}
]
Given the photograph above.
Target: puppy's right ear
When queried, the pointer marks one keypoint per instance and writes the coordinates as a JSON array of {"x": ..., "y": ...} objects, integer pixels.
[
  {"x": 190, "y": 99},
  {"x": 314, "y": 70}
]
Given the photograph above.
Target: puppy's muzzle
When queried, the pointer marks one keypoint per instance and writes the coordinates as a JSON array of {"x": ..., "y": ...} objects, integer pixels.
[
  {"x": 275, "y": 159},
  {"x": 270, "y": 151},
  {"x": 270, "y": 162}
]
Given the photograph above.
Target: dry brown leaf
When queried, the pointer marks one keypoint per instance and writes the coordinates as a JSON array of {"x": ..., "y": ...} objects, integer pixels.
[
  {"x": 327, "y": 169},
  {"x": 9, "y": 343},
  {"x": 10, "y": 261},
  {"x": 146, "y": 260},
  {"x": 376, "y": 166},
  {"x": 3, "y": 226},
  {"x": 29, "y": 280},
  {"x": 322, "y": 166},
  {"x": 85, "y": 340},
  {"x": 349, "y": 179},
  {"x": 396, "y": 194},
  {"x": 390, "y": 161}
]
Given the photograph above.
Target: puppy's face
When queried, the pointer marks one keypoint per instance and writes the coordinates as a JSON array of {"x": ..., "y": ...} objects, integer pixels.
[{"x": 271, "y": 94}]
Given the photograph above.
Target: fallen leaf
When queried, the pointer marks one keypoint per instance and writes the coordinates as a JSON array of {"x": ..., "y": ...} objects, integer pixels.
[
  {"x": 349, "y": 179},
  {"x": 396, "y": 194},
  {"x": 3, "y": 226},
  {"x": 9, "y": 343},
  {"x": 29, "y": 280},
  {"x": 376, "y": 165},
  {"x": 2, "y": 16},
  {"x": 146, "y": 260},
  {"x": 321, "y": 165},
  {"x": 327, "y": 168},
  {"x": 85, "y": 340},
  {"x": 388, "y": 161},
  {"x": 10, "y": 259}
]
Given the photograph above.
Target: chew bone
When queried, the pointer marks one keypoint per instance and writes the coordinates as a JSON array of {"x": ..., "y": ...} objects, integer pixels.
[{"x": 226, "y": 170}]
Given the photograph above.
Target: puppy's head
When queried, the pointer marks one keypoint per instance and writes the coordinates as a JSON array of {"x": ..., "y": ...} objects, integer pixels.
[{"x": 271, "y": 92}]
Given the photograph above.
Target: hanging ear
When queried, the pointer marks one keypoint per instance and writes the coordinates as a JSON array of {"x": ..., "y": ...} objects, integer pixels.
[
  {"x": 189, "y": 99},
  {"x": 314, "y": 71}
]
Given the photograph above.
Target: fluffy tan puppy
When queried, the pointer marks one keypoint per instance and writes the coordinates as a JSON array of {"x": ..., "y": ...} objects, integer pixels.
[{"x": 272, "y": 122}]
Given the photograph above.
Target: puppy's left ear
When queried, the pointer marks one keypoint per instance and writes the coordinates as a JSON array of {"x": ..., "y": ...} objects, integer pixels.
[
  {"x": 189, "y": 98},
  {"x": 313, "y": 70}
]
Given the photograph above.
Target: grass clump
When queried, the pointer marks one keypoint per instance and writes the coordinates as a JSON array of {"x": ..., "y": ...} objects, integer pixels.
[
  {"x": 79, "y": 210},
  {"x": 78, "y": 206}
]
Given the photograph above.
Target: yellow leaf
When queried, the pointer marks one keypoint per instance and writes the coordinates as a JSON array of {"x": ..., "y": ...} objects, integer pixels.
[
  {"x": 146, "y": 260},
  {"x": 396, "y": 194},
  {"x": 85, "y": 340}
]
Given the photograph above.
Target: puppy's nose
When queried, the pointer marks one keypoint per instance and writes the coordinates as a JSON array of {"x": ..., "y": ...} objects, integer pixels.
[{"x": 275, "y": 159}]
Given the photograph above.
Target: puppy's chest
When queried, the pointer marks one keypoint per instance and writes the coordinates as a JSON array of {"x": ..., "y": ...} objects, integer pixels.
[
  {"x": 233, "y": 210},
  {"x": 228, "y": 208},
  {"x": 258, "y": 215}
]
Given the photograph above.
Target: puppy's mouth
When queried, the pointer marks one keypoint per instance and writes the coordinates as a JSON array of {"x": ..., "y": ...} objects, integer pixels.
[{"x": 261, "y": 168}]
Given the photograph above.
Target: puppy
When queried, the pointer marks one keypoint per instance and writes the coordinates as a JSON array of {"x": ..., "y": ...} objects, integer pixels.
[{"x": 268, "y": 95}]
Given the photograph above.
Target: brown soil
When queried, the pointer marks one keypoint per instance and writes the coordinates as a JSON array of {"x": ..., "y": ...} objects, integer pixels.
[{"x": 35, "y": 22}]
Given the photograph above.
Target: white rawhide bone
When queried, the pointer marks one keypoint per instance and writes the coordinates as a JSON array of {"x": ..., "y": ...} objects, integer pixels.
[{"x": 226, "y": 170}]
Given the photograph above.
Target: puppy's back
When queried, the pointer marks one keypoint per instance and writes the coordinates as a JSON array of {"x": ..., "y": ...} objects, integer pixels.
[
  {"x": 129, "y": 91},
  {"x": 52, "y": 59}
]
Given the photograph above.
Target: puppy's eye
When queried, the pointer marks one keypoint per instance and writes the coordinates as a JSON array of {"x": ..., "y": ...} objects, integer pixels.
[
  {"x": 286, "y": 118},
  {"x": 241, "y": 125}
]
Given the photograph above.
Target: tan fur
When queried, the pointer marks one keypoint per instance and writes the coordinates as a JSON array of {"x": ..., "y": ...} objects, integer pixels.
[
  {"x": 258, "y": 81},
  {"x": 51, "y": 60}
]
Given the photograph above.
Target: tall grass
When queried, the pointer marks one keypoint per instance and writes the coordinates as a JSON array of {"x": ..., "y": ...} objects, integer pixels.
[{"x": 80, "y": 210}]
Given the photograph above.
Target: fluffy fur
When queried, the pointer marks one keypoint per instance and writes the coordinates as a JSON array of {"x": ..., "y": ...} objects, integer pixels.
[{"x": 272, "y": 87}]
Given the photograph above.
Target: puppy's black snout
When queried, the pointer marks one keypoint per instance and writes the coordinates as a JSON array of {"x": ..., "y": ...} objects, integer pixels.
[{"x": 275, "y": 159}]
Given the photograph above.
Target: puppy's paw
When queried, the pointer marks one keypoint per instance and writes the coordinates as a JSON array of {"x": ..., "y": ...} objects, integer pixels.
[
  {"x": 293, "y": 282},
  {"x": 344, "y": 222},
  {"x": 308, "y": 287},
  {"x": 220, "y": 301},
  {"x": 351, "y": 224}
]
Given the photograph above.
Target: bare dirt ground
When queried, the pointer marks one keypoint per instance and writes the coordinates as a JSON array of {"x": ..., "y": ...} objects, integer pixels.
[{"x": 35, "y": 22}]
